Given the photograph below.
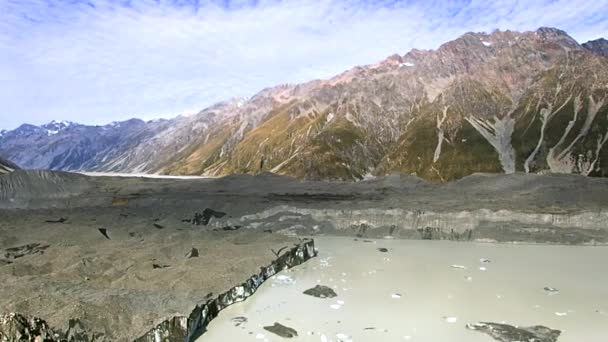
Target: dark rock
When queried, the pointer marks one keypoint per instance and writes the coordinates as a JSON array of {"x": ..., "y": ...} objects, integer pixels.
[
  {"x": 362, "y": 230},
  {"x": 281, "y": 330},
  {"x": 131, "y": 234},
  {"x": 21, "y": 251},
  {"x": 60, "y": 220},
  {"x": 158, "y": 266},
  {"x": 205, "y": 217},
  {"x": 124, "y": 215},
  {"x": 229, "y": 228},
  {"x": 5, "y": 262},
  {"x": 551, "y": 289},
  {"x": 104, "y": 232},
  {"x": 383, "y": 250},
  {"x": 238, "y": 321},
  {"x": 158, "y": 226},
  {"x": 193, "y": 253},
  {"x": 509, "y": 333},
  {"x": 321, "y": 291},
  {"x": 268, "y": 231},
  {"x": 277, "y": 253},
  {"x": 18, "y": 328},
  {"x": 77, "y": 332},
  {"x": 392, "y": 230}
]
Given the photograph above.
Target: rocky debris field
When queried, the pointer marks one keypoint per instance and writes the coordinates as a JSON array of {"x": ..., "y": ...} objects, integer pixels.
[
  {"x": 121, "y": 280},
  {"x": 120, "y": 255},
  {"x": 562, "y": 209}
]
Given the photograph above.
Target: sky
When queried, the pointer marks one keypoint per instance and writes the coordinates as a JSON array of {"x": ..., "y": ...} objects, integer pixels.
[{"x": 98, "y": 61}]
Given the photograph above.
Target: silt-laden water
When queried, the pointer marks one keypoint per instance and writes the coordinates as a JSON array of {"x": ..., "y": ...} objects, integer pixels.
[{"x": 427, "y": 291}]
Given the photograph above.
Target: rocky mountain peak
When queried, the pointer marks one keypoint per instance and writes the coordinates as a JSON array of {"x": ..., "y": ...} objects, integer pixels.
[
  {"x": 549, "y": 34},
  {"x": 598, "y": 46},
  {"x": 551, "y": 31},
  {"x": 55, "y": 127}
]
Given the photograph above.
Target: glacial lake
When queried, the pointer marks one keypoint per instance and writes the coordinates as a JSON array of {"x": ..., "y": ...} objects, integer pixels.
[{"x": 427, "y": 291}]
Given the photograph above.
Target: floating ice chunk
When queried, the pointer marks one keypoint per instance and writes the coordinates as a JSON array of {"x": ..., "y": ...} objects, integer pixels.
[
  {"x": 407, "y": 337},
  {"x": 468, "y": 278},
  {"x": 323, "y": 338},
  {"x": 460, "y": 267},
  {"x": 561, "y": 314},
  {"x": 282, "y": 279},
  {"x": 335, "y": 306},
  {"x": 341, "y": 302},
  {"x": 342, "y": 336},
  {"x": 396, "y": 295},
  {"x": 483, "y": 268},
  {"x": 324, "y": 262},
  {"x": 260, "y": 336},
  {"x": 449, "y": 319}
]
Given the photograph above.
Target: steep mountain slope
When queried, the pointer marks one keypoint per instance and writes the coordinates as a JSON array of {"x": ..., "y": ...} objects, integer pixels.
[
  {"x": 500, "y": 102},
  {"x": 7, "y": 166}
]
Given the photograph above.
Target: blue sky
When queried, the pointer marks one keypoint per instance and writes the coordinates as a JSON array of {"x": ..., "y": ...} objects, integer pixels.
[{"x": 97, "y": 61}]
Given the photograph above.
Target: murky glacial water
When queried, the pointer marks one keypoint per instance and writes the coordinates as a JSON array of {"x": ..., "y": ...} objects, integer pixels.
[{"x": 417, "y": 291}]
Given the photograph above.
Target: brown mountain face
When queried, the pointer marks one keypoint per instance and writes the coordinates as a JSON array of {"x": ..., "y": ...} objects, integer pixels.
[{"x": 499, "y": 102}]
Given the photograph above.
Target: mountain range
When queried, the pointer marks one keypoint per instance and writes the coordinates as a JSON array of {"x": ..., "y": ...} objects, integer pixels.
[{"x": 505, "y": 101}]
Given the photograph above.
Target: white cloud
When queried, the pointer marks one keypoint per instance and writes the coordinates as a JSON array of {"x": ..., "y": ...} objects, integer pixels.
[{"x": 100, "y": 61}]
